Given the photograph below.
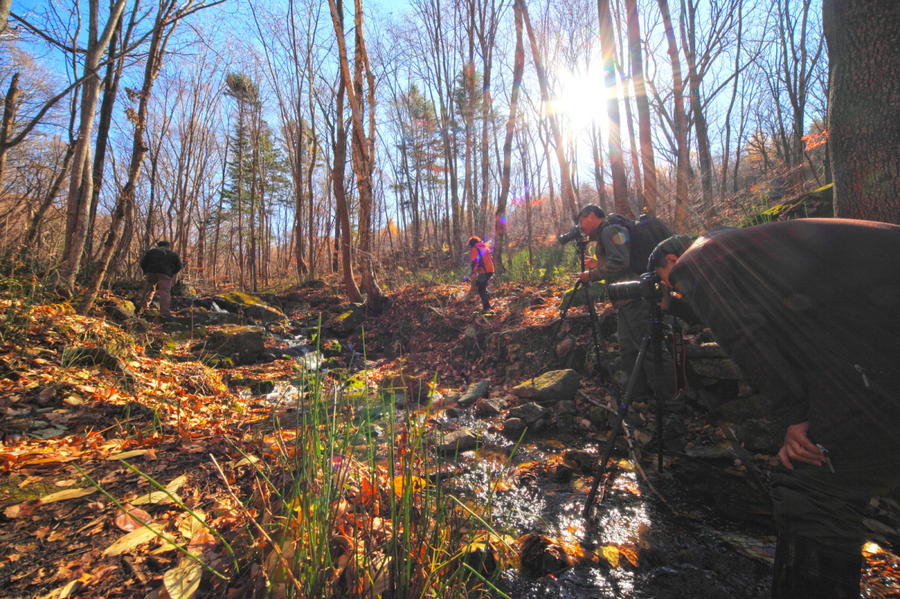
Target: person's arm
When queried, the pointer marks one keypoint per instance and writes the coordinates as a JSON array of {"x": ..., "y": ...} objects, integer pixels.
[
  {"x": 178, "y": 264},
  {"x": 616, "y": 254}
]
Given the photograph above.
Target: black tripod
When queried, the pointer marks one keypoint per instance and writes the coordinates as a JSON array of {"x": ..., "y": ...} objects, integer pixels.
[
  {"x": 599, "y": 347},
  {"x": 654, "y": 340}
]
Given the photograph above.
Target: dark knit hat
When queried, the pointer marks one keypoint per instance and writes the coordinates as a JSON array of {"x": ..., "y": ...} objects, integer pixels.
[{"x": 677, "y": 245}]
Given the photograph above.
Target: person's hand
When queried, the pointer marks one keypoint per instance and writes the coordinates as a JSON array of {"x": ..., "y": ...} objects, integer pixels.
[
  {"x": 590, "y": 263},
  {"x": 585, "y": 277},
  {"x": 666, "y": 300},
  {"x": 797, "y": 446}
]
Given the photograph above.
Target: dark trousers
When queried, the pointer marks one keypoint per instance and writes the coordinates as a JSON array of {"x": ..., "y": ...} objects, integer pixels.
[
  {"x": 162, "y": 284},
  {"x": 481, "y": 282}
]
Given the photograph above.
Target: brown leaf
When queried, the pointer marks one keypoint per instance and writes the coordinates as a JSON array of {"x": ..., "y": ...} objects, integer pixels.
[
  {"x": 22, "y": 510},
  {"x": 131, "y": 520}
]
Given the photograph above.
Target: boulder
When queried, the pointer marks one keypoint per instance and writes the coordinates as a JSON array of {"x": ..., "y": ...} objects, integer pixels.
[
  {"x": 556, "y": 385},
  {"x": 457, "y": 441},
  {"x": 250, "y": 306},
  {"x": 716, "y": 368},
  {"x": 514, "y": 427},
  {"x": 530, "y": 413},
  {"x": 704, "y": 350},
  {"x": 490, "y": 407},
  {"x": 740, "y": 410},
  {"x": 348, "y": 322},
  {"x": 475, "y": 392},
  {"x": 118, "y": 309},
  {"x": 239, "y": 345}
]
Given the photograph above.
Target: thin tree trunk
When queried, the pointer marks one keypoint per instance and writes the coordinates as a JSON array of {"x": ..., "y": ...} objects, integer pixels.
[
  {"x": 645, "y": 125},
  {"x": 568, "y": 194},
  {"x": 616, "y": 162}
]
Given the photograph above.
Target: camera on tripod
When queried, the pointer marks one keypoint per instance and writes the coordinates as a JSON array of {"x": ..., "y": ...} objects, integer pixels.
[
  {"x": 573, "y": 234},
  {"x": 649, "y": 286}
]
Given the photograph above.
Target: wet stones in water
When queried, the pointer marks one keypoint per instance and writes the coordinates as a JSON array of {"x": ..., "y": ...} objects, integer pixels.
[
  {"x": 490, "y": 407},
  {"x": 530, "y": 412},
  {"x": 514, "y": 427},
  {"x": 540, "y": 556},
  {"x": 454, "y": 413},
  {"x": 463, "y": 439}
]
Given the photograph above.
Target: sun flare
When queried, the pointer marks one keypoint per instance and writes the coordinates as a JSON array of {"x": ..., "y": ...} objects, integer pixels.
[{"x": 582, "y": 98}]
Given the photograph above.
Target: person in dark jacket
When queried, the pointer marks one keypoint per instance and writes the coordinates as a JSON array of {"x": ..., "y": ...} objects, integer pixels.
[
  {"x": 482, "y": 269},
  {"x": 160, "y": 265},
  {"x": 810, "y": 311},
  {"x": 612, "y": 264}
]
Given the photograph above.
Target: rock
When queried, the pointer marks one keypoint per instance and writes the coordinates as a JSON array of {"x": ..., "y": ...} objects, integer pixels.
[
  {"x": 760, "y": 435},
  {"x": 348, "y": 322},
  {"x": 490, "y": 407},
  {"x": 704, "y": 350},
  {"x": 740, "y": 410},
  {"x": 457, "y": 441},
  {"x": 240, "y": 345},
  {"x": 716, "y": 368},
  {"x": 565, "y": 423},
  {"x": 599, "y": 417},
  {"x": 565, "y": 346},
  {"x": 566, "y": 407},
  {"x": 555, "y": 385},
  {"x": 118, "y": 309},
  {"x": 530, "y": 413},
  {"x": 514, "y": 427},
  {"x": 475, "y": 392},
  {"x": 250, "y": 306},
  {"x": 454, "y": 413}
]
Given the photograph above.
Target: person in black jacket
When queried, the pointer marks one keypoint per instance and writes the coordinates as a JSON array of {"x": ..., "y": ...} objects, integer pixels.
[
  {"x": 160, "y": 265},
  {"x": 808, "y": 309}
]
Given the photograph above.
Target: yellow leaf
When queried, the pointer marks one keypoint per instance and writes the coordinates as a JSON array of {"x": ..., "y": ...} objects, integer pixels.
[
  {"x": 611, "y": 553},
  {"x": 68, "y": 494},
  {"x": 128, "y": 454},
  {"x": 131, "y": 540},
  {"x": 182, "y": 582}
]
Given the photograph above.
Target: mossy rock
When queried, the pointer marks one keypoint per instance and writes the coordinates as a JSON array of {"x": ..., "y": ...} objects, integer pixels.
[{"x": 815, "y": 204}]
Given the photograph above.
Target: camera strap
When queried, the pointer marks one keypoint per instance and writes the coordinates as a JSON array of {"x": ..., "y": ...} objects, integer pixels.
[{"x": 678, "y": 357}]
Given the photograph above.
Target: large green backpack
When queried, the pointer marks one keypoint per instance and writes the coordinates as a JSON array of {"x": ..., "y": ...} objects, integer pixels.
[{"x": 645, "y": 234}]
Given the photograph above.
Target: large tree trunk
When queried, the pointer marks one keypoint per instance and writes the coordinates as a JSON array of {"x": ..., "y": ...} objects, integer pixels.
[
  {"x": 681, "y": 165},
  {"x": 78, "y": 202},
  {"x": 616, "y": 162},
  {"x": 645, "y": 125},
  {"x": 864, "y": 107},
  {"x": 124, "y": 205}
]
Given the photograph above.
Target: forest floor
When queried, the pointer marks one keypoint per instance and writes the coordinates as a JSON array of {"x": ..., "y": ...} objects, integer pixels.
[{"x": 81, "y": 442}]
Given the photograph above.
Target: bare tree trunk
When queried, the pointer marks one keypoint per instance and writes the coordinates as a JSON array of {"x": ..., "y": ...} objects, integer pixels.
[
  {"x": 10, "y": 107},
  {"x": 645, "y": 125},
  {"x": 681, "y": 165},
  {"x": 78, "y": 202},
  {"x": 568, "y": 194},
  {"x": 518, "y": 69},
  {"x": 165, "y": 25},
  {"x": 616, "y": 162}
]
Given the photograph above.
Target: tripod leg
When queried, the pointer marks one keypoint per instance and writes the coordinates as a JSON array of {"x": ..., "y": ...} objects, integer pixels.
[{"x": 616, "y": 428}]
